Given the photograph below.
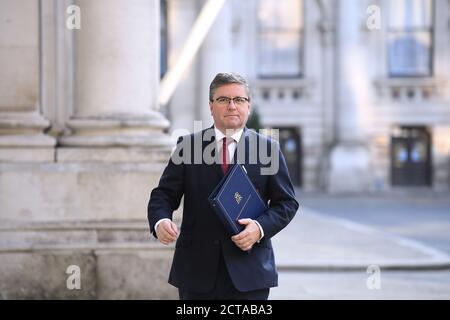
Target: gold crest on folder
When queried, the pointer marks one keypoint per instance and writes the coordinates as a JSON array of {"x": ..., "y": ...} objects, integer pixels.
[{"x": 237, "y": 197}]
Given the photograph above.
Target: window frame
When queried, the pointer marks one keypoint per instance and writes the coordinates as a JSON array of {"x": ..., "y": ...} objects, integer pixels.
[
  {"x": 414, "y": 30},
  {"x": 301, "y": 41}
]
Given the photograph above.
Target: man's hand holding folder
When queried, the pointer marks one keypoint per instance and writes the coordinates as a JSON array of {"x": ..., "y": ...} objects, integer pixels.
[
  {"x": 247, "y": 238},
  {"x": 238, "y": 204}
]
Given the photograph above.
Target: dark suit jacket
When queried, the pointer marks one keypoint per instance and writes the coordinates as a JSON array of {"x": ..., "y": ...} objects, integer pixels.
[{"x": 202, "y": 236}]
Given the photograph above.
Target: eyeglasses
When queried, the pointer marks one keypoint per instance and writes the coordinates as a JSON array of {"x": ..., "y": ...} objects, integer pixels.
[{"x": 225, "y": 101}]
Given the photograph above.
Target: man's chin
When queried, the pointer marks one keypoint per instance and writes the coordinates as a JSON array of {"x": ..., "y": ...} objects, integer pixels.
[
  {"x": 233, "y": 127},
  {"x": 233, "y": 121}
]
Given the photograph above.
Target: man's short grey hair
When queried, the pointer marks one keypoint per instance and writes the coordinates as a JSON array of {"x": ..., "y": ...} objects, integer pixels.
[{"x": 222, "y": 79}]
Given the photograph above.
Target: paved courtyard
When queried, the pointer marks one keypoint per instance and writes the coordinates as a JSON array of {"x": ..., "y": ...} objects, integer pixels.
[{"x": 383, "y": 247}]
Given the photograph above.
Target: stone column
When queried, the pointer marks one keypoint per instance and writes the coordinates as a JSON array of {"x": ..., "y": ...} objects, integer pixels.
[
  {"x": 349, "y": 159},
  {"x": 216, "y": 56},
  {"x": 21, "y": 122},
  {"x": 441, "y": 158},
  {"x": 327, "y": 30},
  {"x": 115, "y": 87},
  {"x": 328, "y": 41},
  {"x": 87, "y": 209},
  {"x": 181, "y": 16}
]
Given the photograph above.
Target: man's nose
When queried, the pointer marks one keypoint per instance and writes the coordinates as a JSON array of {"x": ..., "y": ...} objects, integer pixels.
[{"x": 231, "y": 105}]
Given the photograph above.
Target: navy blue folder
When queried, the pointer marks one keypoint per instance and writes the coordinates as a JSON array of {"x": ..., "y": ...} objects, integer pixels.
[{"x": 236, "y": 198}]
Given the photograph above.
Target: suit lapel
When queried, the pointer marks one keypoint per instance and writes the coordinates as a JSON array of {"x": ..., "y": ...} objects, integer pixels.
[{"x": 243, "y": 143}]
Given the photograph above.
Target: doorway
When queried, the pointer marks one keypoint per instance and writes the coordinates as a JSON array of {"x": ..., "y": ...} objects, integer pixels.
[
  {"x": 411, "y": 157},
  {"x": 290, "y": 143}
]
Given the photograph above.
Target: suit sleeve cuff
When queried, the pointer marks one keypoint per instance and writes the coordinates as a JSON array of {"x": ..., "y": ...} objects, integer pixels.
[
  {"x": 260, "y": 230},
  {"x": 159, "y": 221}
]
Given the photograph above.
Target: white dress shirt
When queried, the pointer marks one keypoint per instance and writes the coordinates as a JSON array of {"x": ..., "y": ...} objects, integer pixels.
[
  {"x": 231, "y": 149},
  {"x": 231, "y": 146}
]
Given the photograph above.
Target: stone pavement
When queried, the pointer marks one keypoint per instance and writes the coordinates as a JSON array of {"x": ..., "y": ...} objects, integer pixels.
[
  {"x": 324, "y": 257},
  {"x": 315, "y": 242}
]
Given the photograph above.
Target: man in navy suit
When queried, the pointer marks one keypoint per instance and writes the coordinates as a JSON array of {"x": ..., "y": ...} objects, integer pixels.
[{"x": 208, "y": 262}]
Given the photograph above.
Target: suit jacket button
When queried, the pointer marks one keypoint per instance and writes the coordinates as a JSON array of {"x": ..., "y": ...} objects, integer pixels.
[{"x": 216, "y": 242}]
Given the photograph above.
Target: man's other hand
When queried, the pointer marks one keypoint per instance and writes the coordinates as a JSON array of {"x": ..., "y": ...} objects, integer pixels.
[{"x": 167, "y": 232}]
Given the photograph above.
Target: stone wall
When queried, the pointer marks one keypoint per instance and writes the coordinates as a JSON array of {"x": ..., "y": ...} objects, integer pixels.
[{"x": 81, "y": 147}]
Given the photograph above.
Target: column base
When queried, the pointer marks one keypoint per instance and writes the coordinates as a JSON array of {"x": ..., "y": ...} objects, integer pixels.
[
  {"x": 113, "y": 154},
  {"x": 91, "y": 215},
  {"x": 22, "y": 138},
  {"x": 349, "y": 169},
  {"x": 113, "y": 259},
  {"x": 27, "y": 154},
  {"x": 118, "y": 131}
]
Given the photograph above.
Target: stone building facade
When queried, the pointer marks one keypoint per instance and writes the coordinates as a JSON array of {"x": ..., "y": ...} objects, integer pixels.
[{"x": 359, "y": 90}]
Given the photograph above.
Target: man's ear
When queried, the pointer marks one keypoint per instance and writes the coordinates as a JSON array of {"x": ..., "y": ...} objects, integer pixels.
[{"x": 210, "y": 108}]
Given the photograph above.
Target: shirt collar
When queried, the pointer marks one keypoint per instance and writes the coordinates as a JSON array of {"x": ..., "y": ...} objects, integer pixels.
[{"x": 236, "y": 136}]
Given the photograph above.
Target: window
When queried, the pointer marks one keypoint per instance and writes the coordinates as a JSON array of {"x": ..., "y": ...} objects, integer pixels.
[
  {"x": 410, "y": 38},
  {"x": 163, "y": 38},
  {"x": 280, "y": 26}
]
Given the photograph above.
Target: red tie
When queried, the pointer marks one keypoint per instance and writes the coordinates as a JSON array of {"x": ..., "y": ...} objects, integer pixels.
[{"x": 225, "y": 155}]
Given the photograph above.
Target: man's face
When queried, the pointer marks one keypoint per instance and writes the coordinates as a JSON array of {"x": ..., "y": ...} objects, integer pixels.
[{"x": 230, "y": 115}]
